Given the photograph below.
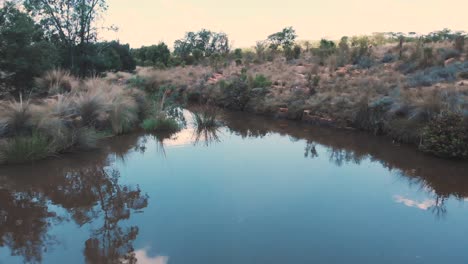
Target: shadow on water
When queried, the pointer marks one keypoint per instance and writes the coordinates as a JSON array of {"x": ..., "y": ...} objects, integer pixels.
[{"x": 88, "y": 188}]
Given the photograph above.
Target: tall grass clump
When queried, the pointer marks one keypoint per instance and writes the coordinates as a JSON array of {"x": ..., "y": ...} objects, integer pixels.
[
  {"x": 122, "y": 110},
  {"x": 16, "y": 117},
  {"x": 206, "y": 117},
  {"x": 161, "y": 124},
  {"x": 56, "y": 82},
  {"x": 22, "y": 149}
]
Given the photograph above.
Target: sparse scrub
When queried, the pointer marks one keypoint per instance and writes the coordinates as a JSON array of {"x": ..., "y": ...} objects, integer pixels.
[{"x": 436, "y": 74}]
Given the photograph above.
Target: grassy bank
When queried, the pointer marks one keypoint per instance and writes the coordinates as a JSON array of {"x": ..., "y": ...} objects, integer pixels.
[
  {"x": 74, "y": 115},
  {"x": 416, "y": 93}
]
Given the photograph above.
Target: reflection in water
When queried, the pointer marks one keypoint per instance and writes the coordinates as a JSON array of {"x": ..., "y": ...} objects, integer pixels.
[
  {"x": 112, "y": 243},
  {"x": 423, "y": 205},
  {"x": 441, "y": 178},
  {"x": 207, "y": 135},
  {"x": 143, "y": 258},
  {"x": 88, "y": 189},
  {"x": 311, "y": 150},
  {"x": 24, "y": 222}
]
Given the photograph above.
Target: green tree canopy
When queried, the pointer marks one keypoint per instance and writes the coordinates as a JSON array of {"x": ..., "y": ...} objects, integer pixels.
[
  {"x": 284, "y": 39},
  {"x": 24, "y": 53},
  {"x": 203, "y": 43}
]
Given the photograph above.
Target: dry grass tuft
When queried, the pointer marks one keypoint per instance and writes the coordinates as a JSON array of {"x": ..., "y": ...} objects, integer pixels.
[{"x": 56, "y": 82}]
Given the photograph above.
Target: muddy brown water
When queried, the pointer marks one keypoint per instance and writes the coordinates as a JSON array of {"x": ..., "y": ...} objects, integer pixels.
[{"x": 256, "y": 190}]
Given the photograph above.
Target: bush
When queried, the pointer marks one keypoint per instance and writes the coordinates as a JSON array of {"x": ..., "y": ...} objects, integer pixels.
[
  {"x": 260, "y": 81},
  {"x": 23, "y": 149},
  {"x": 365, "y": 62},
  {"x": 446, "y": 54},
  {"x": 446, "y": 136},
  {"x": 24, "y": 54},
  {"x": 388, "y": 57},
  {"x": 161, "y": 124},
  {"x": 235, "y": 94},
  {"x": 436, "y": 74}
]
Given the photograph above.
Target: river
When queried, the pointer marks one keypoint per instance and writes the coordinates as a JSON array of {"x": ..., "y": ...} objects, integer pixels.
[{"x": 255, "y": 190}]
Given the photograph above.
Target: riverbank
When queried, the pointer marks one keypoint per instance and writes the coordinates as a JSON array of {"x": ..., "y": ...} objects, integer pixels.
[{"x": 411, "y": 101}]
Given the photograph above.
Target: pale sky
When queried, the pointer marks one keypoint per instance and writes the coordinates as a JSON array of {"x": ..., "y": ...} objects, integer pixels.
[{"x": 146, "y": 22}]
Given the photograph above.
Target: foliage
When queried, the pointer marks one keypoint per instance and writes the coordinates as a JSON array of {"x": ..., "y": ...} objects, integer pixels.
[
  {"x": 235, "y": 93},
  {"x": 292, "y": 53},
  {"x": 360, "y": 48},
  {"x": 204, "y": 43},
  {"x": 326, "y": 48},
  {"x": 110, "y": 56},
  {"x": 155, "y": 55},
  {"x": 260, "y": 81},
  {"x": 24, "y": 53},
  {"x": 161, "y": 124},
  {"x": 446, "y": 136},
  {"x": 436, "y": 74},
  {"x": 284, "y": 38},
  {"x": 389, "y": 57},
  {"x": 72, "y": 22},
  {"x": 26, "y": 148}
]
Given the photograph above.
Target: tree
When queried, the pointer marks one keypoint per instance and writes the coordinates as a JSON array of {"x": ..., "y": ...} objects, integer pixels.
[
  {"x": 72, "y": 22},
  {"x": 107, "y": 56},
  {"x": 155, "y": 55},
  {"x": 283, "y": 39},
  {"x": 24, "y": 53},
  {"x": 204, "y": 43}
]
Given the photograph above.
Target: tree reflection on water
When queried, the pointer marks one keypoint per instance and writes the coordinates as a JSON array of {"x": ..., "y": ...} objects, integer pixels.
[{"x": 88, "y": 190}]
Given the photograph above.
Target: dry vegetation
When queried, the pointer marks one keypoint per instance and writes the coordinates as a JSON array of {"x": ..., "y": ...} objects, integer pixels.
[
  {"x": 410, "y": 97},
  {"x": 387, "y": 95}
]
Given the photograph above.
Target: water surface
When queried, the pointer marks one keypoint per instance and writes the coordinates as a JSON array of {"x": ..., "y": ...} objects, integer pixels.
[{"x": 256, "y": 191}]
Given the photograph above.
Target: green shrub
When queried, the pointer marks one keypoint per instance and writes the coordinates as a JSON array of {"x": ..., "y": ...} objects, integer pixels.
[
  {"x": 23, "y": 149},
  {"x": 446, "y": 136},
  {"x": 235, "y": 94},
  {"x": 160, "y": 124},
  {"x": 260, "y": 81}
]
